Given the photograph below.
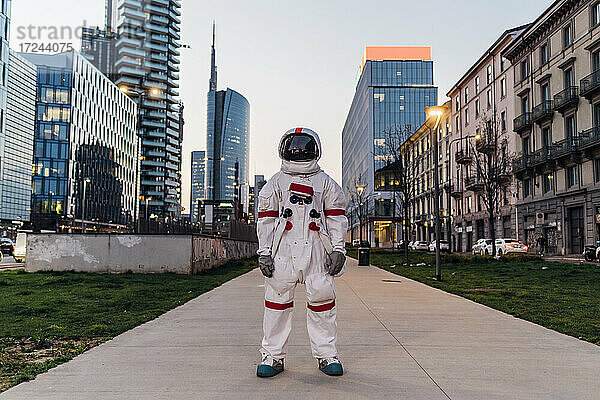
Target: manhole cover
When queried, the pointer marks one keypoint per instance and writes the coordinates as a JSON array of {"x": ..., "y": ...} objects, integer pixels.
[{"x": 391, "y": 280}]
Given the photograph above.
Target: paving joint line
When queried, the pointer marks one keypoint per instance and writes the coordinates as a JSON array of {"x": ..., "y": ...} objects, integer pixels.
[{"x": 396, "y": 339}]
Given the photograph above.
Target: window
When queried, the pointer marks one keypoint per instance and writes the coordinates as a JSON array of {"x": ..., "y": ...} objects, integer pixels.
[
  {"x": 477, "y": 108},
  {"x": 547, "y": 180},
  {"x": 524, "y": 70},
  {"x": 568, "y": 77},
  {"x": 466, "y": 115},
  {"x": 457, "y": 123},
  {"x": 546, "y": 137},
  {"x": 479, "y": 203},
  {"x": 457, "y": 103},
  {"x": 476, "y": 85},
  {"x": 567, "y": 36},
  {"x": 572, "y": 177},
  {"x": 489, "y": 74},
  {"x": 489, "y": 98},
  {"x": 596, "y": 60},
  {"x": 524, "y": 104},
  {"x": 544, "y": 56},
  {"x": 466, "y": 95},
  {"x": 596, "y": 14},
  {"x": 503, "y": 121},
  {"x": 503, "y": 87},
  {"x": 526, "y": 187},
  {"x": 597, "y": 170},
  {"x": 570, "y": 128},
  {"x": 525, "y": 145},
  {"x": 502, "y": 64}
]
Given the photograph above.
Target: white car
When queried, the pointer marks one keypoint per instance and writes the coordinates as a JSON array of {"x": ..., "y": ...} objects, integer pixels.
[
  {"x": 444, "y": 246},
  {"x": 508, "y": 246},
  {"x": 481, "y": 247},
  {"x": 420, "y": 245}
]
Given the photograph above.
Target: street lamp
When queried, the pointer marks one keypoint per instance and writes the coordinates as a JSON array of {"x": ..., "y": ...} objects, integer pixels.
[
  {"x": 85, "y": 182},
  {"x": 359, "y": 189},
  {"x": 435, "y": 114}
]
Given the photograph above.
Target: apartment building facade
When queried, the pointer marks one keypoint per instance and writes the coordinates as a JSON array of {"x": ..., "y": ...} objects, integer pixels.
[
  {"x": 482, "y": 110},
  {"x": 557, "y": 98}
]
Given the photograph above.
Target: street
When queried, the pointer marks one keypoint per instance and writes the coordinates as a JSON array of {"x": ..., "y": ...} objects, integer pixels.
[{"x": 8, "y": 262}]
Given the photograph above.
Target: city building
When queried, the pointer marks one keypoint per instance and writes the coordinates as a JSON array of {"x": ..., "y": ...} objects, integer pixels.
[
  {"x": 259, "y": 182},
  {"x": 146, "y": 67},
  {"x": 417, "y": 151},
  {"x": 4, "y": 60},
  {"x": 557, "y": 101},
  {"x": 86, "y": 155},
  {"x": 98, "y": 47},
  {"x": 16, "y": 145},
  {"x": 482, "y": 96},
  {"x": 395, "y": 85},
  {"x": 227, "y": 142},
  {"x": 197, "y": 189}
]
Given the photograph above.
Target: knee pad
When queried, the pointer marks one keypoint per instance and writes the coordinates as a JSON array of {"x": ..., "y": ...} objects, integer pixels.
[{"x": 320, "y": 288}]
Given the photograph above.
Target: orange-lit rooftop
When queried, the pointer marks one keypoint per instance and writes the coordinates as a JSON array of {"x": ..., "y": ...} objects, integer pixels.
[{"x": 383, "y": 53}]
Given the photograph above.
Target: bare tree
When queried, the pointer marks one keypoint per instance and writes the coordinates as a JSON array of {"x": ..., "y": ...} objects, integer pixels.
[
  {"x": 400, "y": 166},
  {"x": 491, "y": 163},
  {"x": 358, "y": 201}
]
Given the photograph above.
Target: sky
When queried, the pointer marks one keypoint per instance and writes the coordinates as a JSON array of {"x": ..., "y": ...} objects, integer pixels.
[{"x": 295, "y": 61}]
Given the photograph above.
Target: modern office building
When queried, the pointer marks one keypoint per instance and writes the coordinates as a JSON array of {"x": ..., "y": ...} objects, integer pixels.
[
  {"x": 86, "y": 154},
  {"x": 197, "y": 189},
  {"x": 482, "y": 96},
  {"x": 395, "y": 85},
  {"x": 259, "y": 182},
  {"x": 98, "y": 47},
  {"x": 557, "y": 105},
  {"x": 16, "y": 145},
  {"x": 227, "y": 142},
  {"x": 146, "y": 67}
]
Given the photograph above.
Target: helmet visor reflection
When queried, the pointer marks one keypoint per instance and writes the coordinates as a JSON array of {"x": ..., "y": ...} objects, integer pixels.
[{"x": 299, "y": 147}]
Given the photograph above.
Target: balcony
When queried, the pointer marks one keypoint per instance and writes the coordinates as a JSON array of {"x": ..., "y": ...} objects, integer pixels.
[
  {"x": 473, "y": 184},
  {"x": 521, "y": 163},
  {"x": 522, "y": 123},
  {"x": 589, "y": 138},
  {"x": 463, "y": 157},
  {"x": 567, "y": 99},
  {"x": 541, "y": 157},
  {"x": 564, "y": 147},
  {"x": 456, "y": 191},
  {"x": 590, "y": 85},
  {"x": 543, "y": 112}
]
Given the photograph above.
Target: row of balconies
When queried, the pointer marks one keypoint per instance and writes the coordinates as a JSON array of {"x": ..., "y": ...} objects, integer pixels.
[
  {"x": 564, "y": 100},
  {"x": 559, "y": 153}
]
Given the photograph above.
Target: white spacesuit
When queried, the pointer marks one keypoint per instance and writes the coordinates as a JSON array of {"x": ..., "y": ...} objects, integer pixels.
[{"x": 301, "y": 231}]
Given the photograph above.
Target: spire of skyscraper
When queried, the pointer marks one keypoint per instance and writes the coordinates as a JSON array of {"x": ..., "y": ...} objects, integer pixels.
[{"x": 212, "y": 83}]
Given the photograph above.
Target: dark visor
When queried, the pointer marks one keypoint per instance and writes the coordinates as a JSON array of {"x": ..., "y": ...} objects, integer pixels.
[{"x": 299, "y": 147}]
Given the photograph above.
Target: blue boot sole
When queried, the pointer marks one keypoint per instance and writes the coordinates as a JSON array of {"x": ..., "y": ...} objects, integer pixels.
[
  {"x": 266, "y": 371},
  {"x": 334, "y": 369}
]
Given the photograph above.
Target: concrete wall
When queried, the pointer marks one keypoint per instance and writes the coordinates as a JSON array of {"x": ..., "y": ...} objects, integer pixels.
[{"x": 136, "y": 253}]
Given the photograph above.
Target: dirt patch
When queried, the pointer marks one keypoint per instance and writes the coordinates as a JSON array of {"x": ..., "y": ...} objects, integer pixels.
[{"x": 22, "y": 359}]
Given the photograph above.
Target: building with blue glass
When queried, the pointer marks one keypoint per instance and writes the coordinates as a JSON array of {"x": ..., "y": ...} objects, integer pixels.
[
  {"x": 227, "y": 142},
  {"x": 197, "y": 190},
  {"x": 85, "y": 153},
  {"x": 395, "y": 86}
]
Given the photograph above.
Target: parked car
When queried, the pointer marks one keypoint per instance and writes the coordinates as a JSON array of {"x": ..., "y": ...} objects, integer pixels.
[
  {"x": 444, "y": 246},
  {"x": 508, "y": 246},
  {"x": 20, "y": 247},
  {"x": 7, "y": 246},
  {"x": 481, "y": 247},
  {"x": 420, "y": 245}
]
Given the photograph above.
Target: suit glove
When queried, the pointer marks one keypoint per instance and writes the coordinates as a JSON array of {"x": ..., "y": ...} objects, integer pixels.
[
  {"x": 337, "y": 262},
  {"x": 265, "y": 263}
]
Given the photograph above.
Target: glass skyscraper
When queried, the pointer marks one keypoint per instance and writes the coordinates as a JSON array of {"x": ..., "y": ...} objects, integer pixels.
[
  {"x": 17, "y": 148},
  {"x": 85, "y": 147},
  {"x": 147, "y": 69},
  {"x": 198, "y": 177},
  {"x": 395, "y": 85},
  {"x": 227, "y": 141}
]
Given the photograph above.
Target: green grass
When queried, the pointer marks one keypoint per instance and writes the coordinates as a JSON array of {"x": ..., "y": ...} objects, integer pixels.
[
  {"x": 47, "y": 318},
  {"x": 560, "y": 296}
]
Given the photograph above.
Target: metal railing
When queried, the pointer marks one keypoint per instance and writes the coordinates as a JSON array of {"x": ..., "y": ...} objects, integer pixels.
[
  {"x": 542, "y": 111},
  {"x": 590, "y": 84},
  {"x": 566, "y": 98},
  {"x": 522, "y": 122}
]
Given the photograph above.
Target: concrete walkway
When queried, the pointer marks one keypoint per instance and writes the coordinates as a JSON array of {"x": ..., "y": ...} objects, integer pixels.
[{"x": 398, "y": 340}]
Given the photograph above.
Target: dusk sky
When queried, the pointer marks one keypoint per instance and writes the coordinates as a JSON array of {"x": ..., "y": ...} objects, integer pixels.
[{"x": 296, "y": 61}]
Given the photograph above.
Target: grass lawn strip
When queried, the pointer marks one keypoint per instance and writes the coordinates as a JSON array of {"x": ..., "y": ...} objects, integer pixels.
[
  {"x": 47, "y": 318},
  {"x": 561, "y": 296}
]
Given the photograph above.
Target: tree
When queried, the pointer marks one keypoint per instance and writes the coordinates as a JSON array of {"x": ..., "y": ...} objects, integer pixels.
[
  {"x": 400, "y": 173},
  {"x": 491, "y": 163},
  {"x": 359, "y": 201}
]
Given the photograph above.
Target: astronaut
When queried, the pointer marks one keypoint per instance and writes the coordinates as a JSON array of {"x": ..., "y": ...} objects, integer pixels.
[{"x": 301, "y": 232}]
